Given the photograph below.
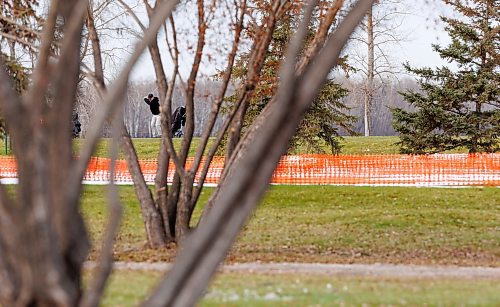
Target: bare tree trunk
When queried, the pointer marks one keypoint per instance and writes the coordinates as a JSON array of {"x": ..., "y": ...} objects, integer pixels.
[
  {"x": 45, "y": 269},
  {"x": 153, "y": 222},
  {"x": 96, "y": 50},
  {"x": 208, "y": 245},
  {"x": 256, "y": 63},
  {"x": 235, "y": 129},
  {"x": 154, "y": 225},
  {"x": 370, "y": 72}
]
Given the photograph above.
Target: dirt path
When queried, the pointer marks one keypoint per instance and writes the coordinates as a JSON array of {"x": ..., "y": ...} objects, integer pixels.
[{"x": 373, "y": 270}]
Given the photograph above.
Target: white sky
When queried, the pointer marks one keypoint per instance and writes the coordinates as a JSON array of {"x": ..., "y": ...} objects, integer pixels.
[
  {"x": 425, "y": 29},
  {"x": 422, "y": 29}
]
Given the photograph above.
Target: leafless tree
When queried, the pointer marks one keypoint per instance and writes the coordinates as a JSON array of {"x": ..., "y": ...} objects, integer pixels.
[
  {"x": 380, "y": 30},
  {"x": 386, "y": 96},
  {"x": 46, "y": 269}
]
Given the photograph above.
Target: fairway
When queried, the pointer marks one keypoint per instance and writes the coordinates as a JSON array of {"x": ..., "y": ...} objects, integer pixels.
[
  {"x": 325, "y": 224},
  {"x": 339, "y": 225},
  {"x": 147, "y": 148}
]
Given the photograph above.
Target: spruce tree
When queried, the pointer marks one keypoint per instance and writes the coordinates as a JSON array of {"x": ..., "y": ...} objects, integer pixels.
[
  {"x": 328, "y": 113},
  {"x": 19, "y": 28},
  {"x": 458, "y": 108}
]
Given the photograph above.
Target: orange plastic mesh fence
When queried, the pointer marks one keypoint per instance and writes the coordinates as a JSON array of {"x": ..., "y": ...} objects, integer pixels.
[{"x": 411, "y": 170}]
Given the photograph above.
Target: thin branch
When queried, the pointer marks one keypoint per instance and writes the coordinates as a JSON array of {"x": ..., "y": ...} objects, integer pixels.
[
  {"x": 19, "y": 40},
  {"x": 39, "y": 79},
  {"x": 191, "y": 82},
  {"x": 101, "y": 275},
  {"x": 321, "y": 35},
  {"x": 217, "y": 104},
  {"x": 206, "y": 247},
  {"x": 110, "y": 102},
  {"x": 133, "y": 14}
]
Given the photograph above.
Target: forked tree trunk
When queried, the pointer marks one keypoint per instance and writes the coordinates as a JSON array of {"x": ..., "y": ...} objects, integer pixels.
[
  {"x": 252, "y": 169},
  {"x": 43, "y": 241},
  {"x": 370, "y": 73},
  {"x": 154, "y": 224}
]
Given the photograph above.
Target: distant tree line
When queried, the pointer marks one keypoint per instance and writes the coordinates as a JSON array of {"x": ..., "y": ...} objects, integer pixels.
[{"x": 137, "y": 114}]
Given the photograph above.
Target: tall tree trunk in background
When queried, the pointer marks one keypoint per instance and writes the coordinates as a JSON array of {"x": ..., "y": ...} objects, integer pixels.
[
  {"x": 156, "y": 235},
  {"x": 369, "y": 90},
  {"x": 96, "y": 51}
]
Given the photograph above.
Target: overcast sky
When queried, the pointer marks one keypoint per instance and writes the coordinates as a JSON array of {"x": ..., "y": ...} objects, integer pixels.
[{"x": 421, "y": 29}]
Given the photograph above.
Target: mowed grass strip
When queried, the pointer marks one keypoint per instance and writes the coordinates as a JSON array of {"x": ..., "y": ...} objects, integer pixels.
[
  {"x": 128, "y": 288},
  {"x": 147, "y": 148},
  {"x": 333, "y": 224}
]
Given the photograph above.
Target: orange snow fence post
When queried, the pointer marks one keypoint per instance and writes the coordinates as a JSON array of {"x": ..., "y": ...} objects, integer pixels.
[{"x": 399, "y": 170}]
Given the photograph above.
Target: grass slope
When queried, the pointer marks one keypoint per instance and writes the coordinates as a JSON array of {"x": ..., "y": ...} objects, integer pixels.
[
  {"x": 148, "y": 148},
  {"x": 341, "y": 225}
]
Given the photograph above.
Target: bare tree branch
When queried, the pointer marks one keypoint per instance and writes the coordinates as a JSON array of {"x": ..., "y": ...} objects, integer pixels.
[
  {"x": 109, "y": 101},
  {"x": 216, "y": 109},
  {"x": 206, "y": 248},
  {"x": 94, "y": 293},
  {"x": 134, "y": 15},
  {"x": 40, "y": 81},
  {"x": 10, "y": 104},
  {"x": 17, "y": 39}
]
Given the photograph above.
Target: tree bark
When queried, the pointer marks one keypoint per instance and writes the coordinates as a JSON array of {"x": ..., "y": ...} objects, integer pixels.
[
  {"x": 208, "y": 245},
  {"x": 153, "y": 222},
  {"x": 370, "y": 72}
]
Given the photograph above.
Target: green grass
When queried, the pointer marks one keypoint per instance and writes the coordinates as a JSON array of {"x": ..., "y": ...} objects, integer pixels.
[
  {"x": 372, "y": 145},
  {"x": 148, "y": 148},
  {"x": 342, "y": 224},
  {"x": 128, "y": 288}
]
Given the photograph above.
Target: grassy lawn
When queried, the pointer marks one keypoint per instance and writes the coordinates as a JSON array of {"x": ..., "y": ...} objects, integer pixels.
[
  {"x": 374, "y": 145},
  {"x": 341, "y": 225},
  {"x": 148, "y": 148},
  {"x": 327, "y": 224},
  {"x": 128, "y": 288}
]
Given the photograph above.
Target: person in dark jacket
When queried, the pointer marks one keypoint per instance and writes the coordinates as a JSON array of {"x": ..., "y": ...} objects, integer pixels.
[
  {"x": 76, "y": 125},
  {"x": 178, "y": 121},
  {"x": 154, "y": 107}
]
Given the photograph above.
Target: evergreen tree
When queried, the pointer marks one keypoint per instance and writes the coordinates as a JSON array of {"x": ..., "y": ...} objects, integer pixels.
[
  {"x": 321, "y": 123},
  {"x": 458, "y": 108},
  {"x": 19, "y": 28}
]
